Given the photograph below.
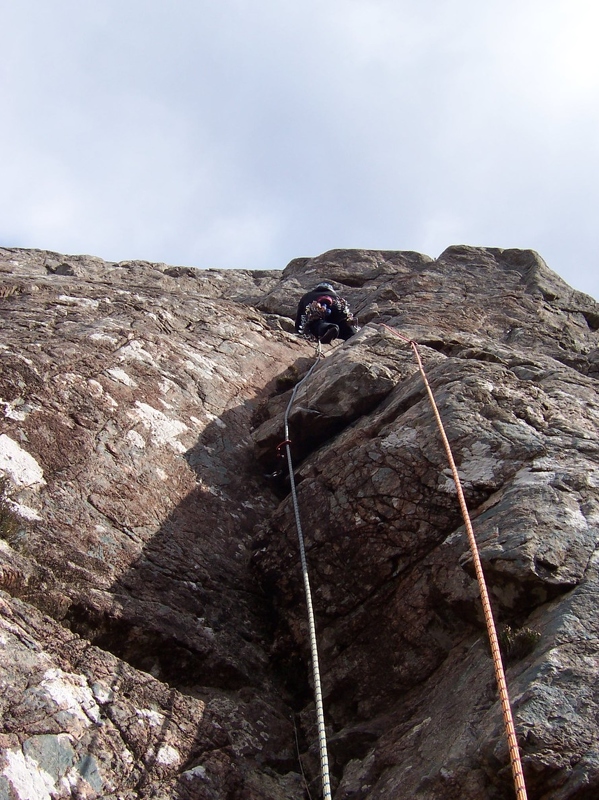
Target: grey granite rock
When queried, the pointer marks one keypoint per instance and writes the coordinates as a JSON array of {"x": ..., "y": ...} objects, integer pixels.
[{"x": 152, "y": 625}]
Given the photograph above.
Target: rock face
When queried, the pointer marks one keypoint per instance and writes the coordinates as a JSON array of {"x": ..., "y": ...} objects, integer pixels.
[{"x": 153, "y": 627}]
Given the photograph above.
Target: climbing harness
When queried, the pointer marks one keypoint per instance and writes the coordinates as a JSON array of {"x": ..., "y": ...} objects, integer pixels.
[
  {"x": 514, "y": 751},
  {"x": 322, "y": 736},
  {"x": 508, "y": 720}
]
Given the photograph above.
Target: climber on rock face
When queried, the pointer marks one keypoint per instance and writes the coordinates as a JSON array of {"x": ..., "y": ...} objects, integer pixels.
[{"x": 323, "y": 315}]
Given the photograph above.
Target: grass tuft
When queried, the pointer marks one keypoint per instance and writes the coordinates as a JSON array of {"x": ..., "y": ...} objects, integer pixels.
[
  {"x": 287, "y": 379},
  {"x": 10, "y": 522},
  {"x": 517, "y": 643}
]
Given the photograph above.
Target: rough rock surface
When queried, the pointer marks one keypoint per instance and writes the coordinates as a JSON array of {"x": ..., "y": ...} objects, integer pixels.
[{"x": 152, "y": 627}]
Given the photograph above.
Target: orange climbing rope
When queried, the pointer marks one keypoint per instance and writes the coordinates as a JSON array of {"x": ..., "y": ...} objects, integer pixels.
[{"x": 508, "y": 720}]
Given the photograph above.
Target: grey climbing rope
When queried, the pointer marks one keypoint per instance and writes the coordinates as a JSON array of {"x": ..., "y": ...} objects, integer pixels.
[
  {"x": 322, "y": 736},
  {"x": 514, "y": 752}
]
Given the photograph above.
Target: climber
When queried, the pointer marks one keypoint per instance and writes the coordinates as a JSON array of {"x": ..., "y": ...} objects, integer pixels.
[{"x": 323, "y": 315}]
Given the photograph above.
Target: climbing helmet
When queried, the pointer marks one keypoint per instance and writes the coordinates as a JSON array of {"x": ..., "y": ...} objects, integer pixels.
[{"x": 325, "y": 286}]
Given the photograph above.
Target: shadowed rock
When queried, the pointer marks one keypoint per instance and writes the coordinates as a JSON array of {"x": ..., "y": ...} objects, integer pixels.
[{"x": 152, "y": 616}]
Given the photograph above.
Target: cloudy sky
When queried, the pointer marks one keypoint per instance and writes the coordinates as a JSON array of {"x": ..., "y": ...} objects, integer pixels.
[{"x": 244, "y": 133}]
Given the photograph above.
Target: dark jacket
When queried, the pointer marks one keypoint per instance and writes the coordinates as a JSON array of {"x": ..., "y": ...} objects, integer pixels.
[{"x": 308, "y": 298}]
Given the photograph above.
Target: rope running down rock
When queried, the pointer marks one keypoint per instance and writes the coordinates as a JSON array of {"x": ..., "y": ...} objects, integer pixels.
[
  {"x": 322, "y": 736},
  {"x": 510, "y": 730},
  {"x": 508, "y": 720}
]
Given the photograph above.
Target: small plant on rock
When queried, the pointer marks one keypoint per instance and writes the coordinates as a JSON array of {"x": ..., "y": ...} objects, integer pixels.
[
  {"x": 9, "y": 521},
  {"x": 287, "y": 379},
  {"x": 517, "y": 643},
  {"x": 10, "y": 289}
]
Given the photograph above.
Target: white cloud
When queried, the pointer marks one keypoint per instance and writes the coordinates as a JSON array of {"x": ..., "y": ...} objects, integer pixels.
[{"x": 242, "y": 134}]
